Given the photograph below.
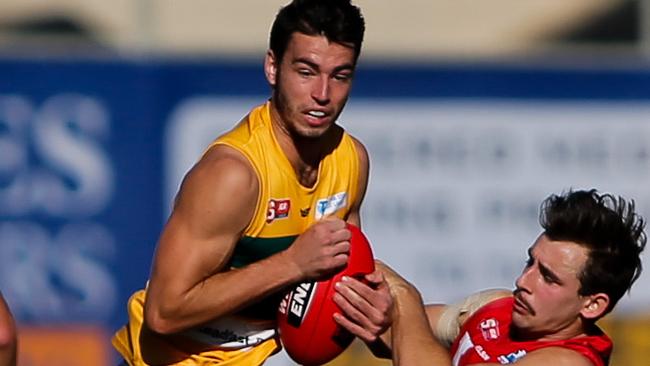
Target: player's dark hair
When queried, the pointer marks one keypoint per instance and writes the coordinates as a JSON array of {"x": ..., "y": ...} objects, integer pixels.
[
  {"x": 609, "y": 228},
  {"x": 338, "y": 20}
]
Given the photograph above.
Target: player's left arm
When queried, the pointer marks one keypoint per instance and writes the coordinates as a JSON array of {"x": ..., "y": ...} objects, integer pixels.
[
  {"x": 354, "y": 216},
  {"x": 556, "y": 356}
]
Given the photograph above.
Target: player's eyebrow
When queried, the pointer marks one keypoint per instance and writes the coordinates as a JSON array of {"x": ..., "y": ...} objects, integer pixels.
[
  {"x": 315, "y": 66},
  {"x": 543, "y": 269}
]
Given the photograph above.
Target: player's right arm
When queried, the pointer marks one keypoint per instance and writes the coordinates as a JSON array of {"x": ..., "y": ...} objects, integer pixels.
[
  {"x": 8, "y": 338},
  {"x": 410, "y": 337},
  {"x": 190, "y": 281}
]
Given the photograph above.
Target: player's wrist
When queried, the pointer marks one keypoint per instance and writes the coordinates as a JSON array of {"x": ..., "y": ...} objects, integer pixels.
[
  {"x": 405, "y": 296},
  {"x": 289, "y": 266}
]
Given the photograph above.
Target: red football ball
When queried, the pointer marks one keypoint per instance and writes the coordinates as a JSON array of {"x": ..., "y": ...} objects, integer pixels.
[{"x": 306, "y": 323}]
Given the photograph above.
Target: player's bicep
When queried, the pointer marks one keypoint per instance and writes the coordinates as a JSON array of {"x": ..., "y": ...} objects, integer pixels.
[
  {"x": 215, "y": 204},
  {"x": 354, "y": 217}
]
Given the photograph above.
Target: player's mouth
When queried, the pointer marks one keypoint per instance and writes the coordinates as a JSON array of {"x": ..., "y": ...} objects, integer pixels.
[
  {"x": 522, "y": 306},
  {"x": 317, "y": 118}
]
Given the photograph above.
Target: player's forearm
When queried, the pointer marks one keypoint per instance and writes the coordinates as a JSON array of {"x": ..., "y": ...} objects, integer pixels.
[
  {"x": 412, "y": 340},
  {"x": 168, "y": 311}
]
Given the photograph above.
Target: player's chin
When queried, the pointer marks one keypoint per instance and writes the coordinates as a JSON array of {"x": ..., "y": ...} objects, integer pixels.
[
  {"x": 523, "y": 323},
  {"x": 518, "y": 320},
  {"x": 314, "y": 132}
]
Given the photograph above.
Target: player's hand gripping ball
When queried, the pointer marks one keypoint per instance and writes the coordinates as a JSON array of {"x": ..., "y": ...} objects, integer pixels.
[{"x": 305, "y": 318}]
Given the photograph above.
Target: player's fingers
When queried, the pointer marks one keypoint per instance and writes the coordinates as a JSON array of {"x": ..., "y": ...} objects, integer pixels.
[
  {"x": 376, "y": 297},
  {"x": 340, "y": 260},
  {"x": 353, "y": 290},
  {"x": 354, "y": 328},
  {"x": 361, "y": 288},
  {"x": 347, "y": 303},
  {"x": 340, "y": 247},
  {"x": 357, "y": 309},
  {"x": 374, "y": 304},
  {"x": 340, "y": 235}
]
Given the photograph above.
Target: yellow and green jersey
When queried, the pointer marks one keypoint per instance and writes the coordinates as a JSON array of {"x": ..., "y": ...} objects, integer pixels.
[{"x": 285, "y": 208}]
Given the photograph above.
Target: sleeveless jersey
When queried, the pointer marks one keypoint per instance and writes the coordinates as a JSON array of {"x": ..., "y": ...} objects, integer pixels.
[
  {"x": 284, "y": 210},
  {"x": 485, "y": 337}
]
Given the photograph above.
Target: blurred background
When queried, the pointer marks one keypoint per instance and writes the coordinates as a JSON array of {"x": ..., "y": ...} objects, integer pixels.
[{"x": 473, "y": 112}]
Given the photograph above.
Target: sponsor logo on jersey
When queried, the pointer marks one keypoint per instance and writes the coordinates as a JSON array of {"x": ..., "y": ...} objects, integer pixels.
[
  {"x": 278, "y": 209},
  {"x": 329, "y": 205},
  {"x": 481, "y": 352},
  {"x": 511, "y": 357},
  {"x": 490, "y": 329},
  {"x": 304, "y": 212}
]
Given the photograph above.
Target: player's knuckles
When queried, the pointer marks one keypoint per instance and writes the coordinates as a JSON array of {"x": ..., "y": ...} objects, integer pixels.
[
  {"x": 384, "y": 305},
  {"x": 335, "y": 222},
  {"x": 379, "y": 322},
  {"x": 342, "y": 247},
  {"x": 320, "y": 230},
  {"x": 374, "y": 318},
  {"x": 330, "y": 224},
  {"x": 334, "y": 263},
  {"x": 341, "y": 259},
  {"x": 344, "y": 234},
  {"x": 338, "y": 236}
]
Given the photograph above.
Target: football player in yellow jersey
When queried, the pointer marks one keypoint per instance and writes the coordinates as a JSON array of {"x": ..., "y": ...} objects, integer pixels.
[
  {"x": 8, "y": 338},
  {"x": 221, "y": 207}
]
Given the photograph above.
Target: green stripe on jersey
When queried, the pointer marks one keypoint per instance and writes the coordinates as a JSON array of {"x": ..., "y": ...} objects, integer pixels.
[{"x": 251, "y": 250}]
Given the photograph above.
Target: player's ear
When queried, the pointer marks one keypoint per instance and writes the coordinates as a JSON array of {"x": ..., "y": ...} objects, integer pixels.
[
  {"x": 271, "y": 67},
  {"x": 594, "y": 306}
]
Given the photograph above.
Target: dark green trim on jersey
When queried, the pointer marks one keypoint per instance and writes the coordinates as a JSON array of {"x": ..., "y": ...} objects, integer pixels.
[{"x": 249, "y": 250}]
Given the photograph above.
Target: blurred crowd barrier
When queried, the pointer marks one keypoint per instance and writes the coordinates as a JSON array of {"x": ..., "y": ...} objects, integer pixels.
[
  {"x": 63, "y": 345},
  {"x": 92, "y": 153}
]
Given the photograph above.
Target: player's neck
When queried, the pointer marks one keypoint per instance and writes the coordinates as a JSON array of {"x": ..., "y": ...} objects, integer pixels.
[
  {"x": 305, "y": 156},
  {"x": 573, "y": 330},
  {"x": 305, "y": 153}
]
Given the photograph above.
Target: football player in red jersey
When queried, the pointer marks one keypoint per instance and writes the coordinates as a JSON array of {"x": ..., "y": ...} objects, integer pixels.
[{"x": 586, "y": 258}]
